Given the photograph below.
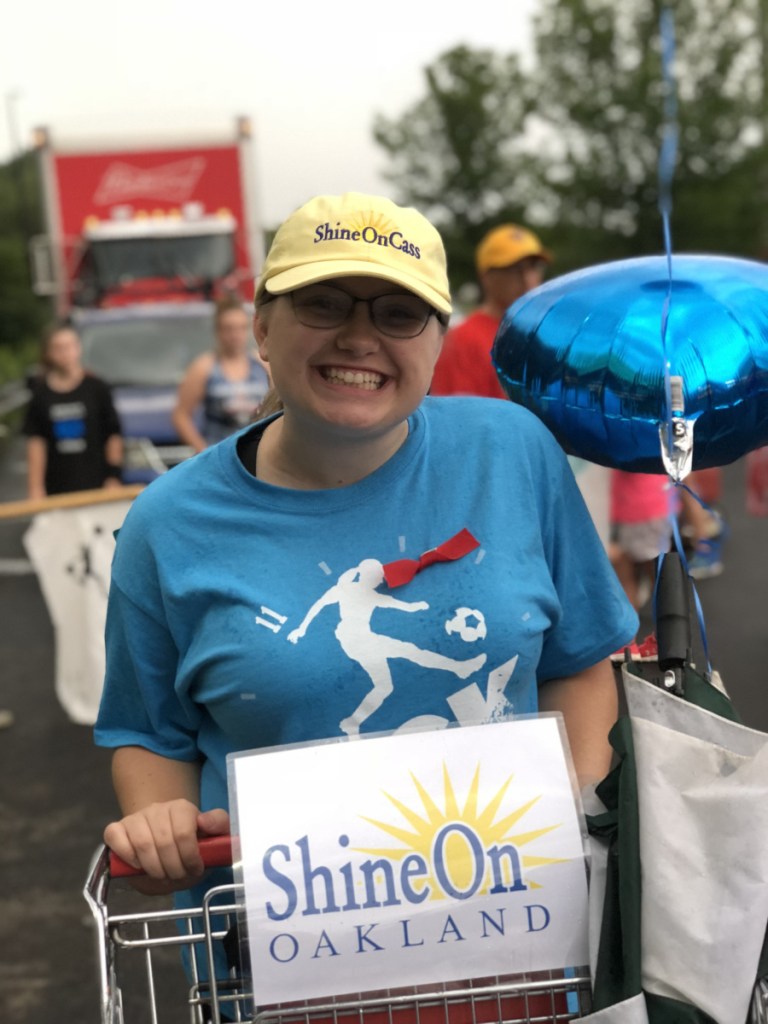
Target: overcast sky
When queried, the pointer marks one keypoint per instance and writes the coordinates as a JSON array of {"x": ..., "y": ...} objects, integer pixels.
[{"x": 310, "y": 75}]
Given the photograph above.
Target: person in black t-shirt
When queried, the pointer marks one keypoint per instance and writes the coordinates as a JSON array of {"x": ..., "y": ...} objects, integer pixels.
[{"x": 72, "y": 428}]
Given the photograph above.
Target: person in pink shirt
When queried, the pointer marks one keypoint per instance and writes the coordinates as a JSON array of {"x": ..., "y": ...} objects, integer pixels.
[{"x": 641, "y": 529}]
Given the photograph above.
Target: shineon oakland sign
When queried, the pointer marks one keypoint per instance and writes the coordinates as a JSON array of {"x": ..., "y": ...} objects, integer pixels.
[{"x": 410, "y": 859}]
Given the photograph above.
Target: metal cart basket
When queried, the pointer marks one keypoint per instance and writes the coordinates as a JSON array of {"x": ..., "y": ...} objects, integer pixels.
[{"x": 142, "y": 981}]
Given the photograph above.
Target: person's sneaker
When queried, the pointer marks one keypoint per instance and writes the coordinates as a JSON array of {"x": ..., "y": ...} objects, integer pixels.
[{"x": 706, "y": 560}]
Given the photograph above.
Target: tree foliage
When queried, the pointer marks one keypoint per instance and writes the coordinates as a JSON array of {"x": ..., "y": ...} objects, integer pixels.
[
  {"x": 21, "y": 312},
  {"x": 571, "y": 147},
  {"x": 600, "y": 82},
  {"x": 458, "y": 153}
]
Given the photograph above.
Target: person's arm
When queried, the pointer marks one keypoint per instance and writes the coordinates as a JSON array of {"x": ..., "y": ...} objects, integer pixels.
[
  {"x": 113, "y": 453},
  {"x": 37, "y": 461},
  {"x": 189, "y": 397},
  {"x": 159, "y": 798},
  {"x": 589, "y": 704}
]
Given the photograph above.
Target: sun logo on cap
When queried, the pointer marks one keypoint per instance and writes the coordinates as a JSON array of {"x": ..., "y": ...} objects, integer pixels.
[
  {"x": 466, "y": 847},
  {"x": 381, "y": 224}
]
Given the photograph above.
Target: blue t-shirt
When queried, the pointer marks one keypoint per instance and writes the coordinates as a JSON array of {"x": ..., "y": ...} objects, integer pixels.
[{"x": 244, "y": 615}]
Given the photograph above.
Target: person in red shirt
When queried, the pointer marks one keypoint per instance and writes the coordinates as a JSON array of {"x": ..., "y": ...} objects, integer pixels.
[{"x": 510, "y": 261}]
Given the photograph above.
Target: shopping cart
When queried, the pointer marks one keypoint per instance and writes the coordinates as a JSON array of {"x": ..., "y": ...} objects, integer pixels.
[{"x": 142, "y": 980}]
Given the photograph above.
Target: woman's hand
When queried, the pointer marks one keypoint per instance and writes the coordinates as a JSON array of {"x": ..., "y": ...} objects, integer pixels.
[{"x": 162, "y": 840}]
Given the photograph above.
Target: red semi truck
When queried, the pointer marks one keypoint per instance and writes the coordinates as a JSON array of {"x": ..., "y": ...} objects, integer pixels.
[{"x": 140, "y": 242}]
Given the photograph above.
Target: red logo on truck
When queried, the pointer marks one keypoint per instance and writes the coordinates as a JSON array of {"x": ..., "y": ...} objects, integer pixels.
[{"x": 171, "y": 183}]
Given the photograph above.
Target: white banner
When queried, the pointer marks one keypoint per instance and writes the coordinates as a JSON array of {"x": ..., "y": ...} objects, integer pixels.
[
  {"x": 71, "y": 550},
  {"x": 702, "y": 796},
  {"x": 410, "y": 859}
]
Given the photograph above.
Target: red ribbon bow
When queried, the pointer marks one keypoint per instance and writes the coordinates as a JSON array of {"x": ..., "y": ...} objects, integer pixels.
[{"x": 398, "y": 573}]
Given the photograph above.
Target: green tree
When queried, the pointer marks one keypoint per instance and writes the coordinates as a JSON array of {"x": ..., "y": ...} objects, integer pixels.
[
  {"x": 459, "y": 154},
  {"x": 572, "y": 147},
  {"x": 600, "y": 83},
  {"x": 21, "y": 312}
]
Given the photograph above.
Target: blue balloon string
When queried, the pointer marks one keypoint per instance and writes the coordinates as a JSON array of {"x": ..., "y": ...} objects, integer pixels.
[
  {"x": 666, "y": 172},
  {"x": 679, "y": 547},
  {"x": 669, "y": 137}
]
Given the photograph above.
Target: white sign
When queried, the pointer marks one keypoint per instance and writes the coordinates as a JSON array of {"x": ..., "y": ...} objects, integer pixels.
[
  {"x": 410, "y": 859},
  {"x": 71, "y": 550}
]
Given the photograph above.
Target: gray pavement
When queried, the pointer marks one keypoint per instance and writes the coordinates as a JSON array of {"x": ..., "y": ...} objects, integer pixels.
[
  {"x": 55, "y": 794},
  {"x": 54, "y": 798},
  {"x": 735, "y": 605}
]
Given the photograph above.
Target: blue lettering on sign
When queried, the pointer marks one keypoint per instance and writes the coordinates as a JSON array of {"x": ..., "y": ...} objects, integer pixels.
[
  {"x": 324, "y": 943},
  {"x": 450, "y": 928},
  {"x": 407, "y": 943},
  {"x": 413, "y": 867},
  {"x": 311, "y": 874},
  {"x": 406, "y": 933},
  {"x": 487, "y": 919},
  {"x": 495, "y": 855},
  {"x": 441, "y": 866},
  {"x": 543, "y": 916},
  {"x": 281, "y": 881},
  {"x": 315, "y": 889},
  {"x": 361, "y": 938},
  {"x": 287, "y": 942},
  {"x": 349, "y": 882},
  {"x": 369, "y": 870}
]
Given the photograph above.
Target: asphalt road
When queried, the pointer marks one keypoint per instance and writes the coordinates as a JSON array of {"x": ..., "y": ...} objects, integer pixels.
[{"x": 55, "y": 794}]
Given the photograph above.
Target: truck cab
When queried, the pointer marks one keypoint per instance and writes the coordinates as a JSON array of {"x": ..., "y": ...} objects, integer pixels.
[
  {"x": 141, "y": 240},
  {"x": 167, "y": 257}
]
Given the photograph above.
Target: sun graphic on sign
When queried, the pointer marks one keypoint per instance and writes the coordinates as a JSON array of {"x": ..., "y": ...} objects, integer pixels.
[{"x": 460, "y": 832}]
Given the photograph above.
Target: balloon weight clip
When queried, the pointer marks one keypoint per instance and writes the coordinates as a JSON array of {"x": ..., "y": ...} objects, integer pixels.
[{"x": 677, "y": 447}]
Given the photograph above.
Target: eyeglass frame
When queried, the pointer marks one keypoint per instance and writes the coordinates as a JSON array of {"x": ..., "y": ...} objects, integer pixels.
[{"x": 431, "y": 310}]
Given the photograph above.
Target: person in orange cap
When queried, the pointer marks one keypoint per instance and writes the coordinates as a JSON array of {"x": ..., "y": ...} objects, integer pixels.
[{"x": 510, "y": 261}]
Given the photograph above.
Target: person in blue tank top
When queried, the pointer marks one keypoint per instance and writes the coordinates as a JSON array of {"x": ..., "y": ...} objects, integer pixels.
[
  {"x": 363, "y": 559},
  {"x": 221, "y": 391}
]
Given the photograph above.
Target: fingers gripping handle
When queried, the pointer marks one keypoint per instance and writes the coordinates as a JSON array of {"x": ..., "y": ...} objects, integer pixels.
[{"x": 216, "y": 852}]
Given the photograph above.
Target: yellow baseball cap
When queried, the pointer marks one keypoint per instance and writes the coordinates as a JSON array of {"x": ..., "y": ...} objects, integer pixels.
[
  {"x": 508, "y": 244},
  {"x": 356, "y": 234}
]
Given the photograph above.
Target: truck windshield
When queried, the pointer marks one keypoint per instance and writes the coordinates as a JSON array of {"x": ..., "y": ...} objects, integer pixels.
[
  {"x": 195, "y": 261},
  {"x": 145, "y": 352}
]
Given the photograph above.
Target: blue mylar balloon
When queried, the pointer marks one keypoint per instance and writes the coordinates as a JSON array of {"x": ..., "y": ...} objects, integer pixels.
[{"x": 585, "y": 352}]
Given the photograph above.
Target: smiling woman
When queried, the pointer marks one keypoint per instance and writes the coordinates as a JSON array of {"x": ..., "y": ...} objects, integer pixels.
[
  {"x": 350, "y": 319},
  {"x": 347, "y": 390},
  {"x": 273, "y": 615}
]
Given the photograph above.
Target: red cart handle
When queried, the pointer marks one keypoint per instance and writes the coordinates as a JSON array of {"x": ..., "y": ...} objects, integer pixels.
[{"x": 216, "y": 852}]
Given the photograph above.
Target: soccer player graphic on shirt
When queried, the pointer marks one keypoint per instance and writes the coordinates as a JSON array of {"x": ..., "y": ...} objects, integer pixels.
[{"x": 357, "y": 597}]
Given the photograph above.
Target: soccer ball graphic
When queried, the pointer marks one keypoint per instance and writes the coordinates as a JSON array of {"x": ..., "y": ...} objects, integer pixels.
[{"x": 469, "y": 623}]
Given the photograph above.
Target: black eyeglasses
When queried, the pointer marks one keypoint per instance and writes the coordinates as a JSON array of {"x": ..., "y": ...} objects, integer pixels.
[{"x": 396, "y": 315}]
